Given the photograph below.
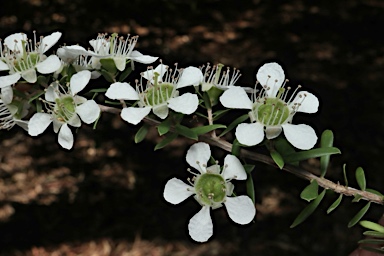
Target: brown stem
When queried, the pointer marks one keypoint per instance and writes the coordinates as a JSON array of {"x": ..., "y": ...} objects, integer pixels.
[{"x": 298, "y": 171}]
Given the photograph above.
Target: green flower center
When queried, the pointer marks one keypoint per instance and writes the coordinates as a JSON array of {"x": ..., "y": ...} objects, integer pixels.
[
  {"x": 28, "y": 62},
  {"x": 158, "y": 94},
  {"x": 210, "y": 188},
  {"x": 65, "y": 108},
  {"x": 273, "y": 111}
]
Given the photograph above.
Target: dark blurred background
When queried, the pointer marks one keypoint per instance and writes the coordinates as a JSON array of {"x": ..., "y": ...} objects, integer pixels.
[{"x": 104, "y": 197}]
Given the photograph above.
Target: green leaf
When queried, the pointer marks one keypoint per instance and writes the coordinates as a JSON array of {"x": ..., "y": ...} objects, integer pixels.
[
  {"x": 307, "y": 211},
  {"x": 141, "y": 133},
  {"x": 374, "y": 234},
  {"x": 207, "y": 101},
  {"x": 345, "y": 175},
  {"x": 277, "y": 158},
  {"x": 374, "y": 192},
  {"x": 125, "y": 73},
  {"x": 99, "y": 90},
  {"x": 371, "y": 241},
  {"x": 109, "y": 65},
  {"x": 236, "y": 147},
  {"x": 218, "y": 114},
  {"x": 110, "y": 77},
  {"x": 164, "y": 126},
  {"x": 36, "y": 96},
  {"x": 168, "y": 139},
  {"x": 356, "y": 198},
  {"x": 232, "y": 125},
  {"x": 186, "y": 132},
  {"x": 335, "y": 204},
  {"x": 373, "y": 249},
  {"x": 205, "y": 129},
  {"x": 359, "y": 215},
  {"x": 250, "y": 187},
  {"x": 325, "y": 142},
  {"x": 311, "y": 191},
  {"x": 249, "y": 168},
  {"x": 39, "y": 106},
  {"x": 360, "y": 177},
  {"x": 313, "y": 153},
  {"x": 283, "y": 146},
  {"x": 372, "y": 225}
]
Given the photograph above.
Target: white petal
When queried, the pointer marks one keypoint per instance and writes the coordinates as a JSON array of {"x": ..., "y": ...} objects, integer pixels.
[
  {"x": 7, "y": 94},
  {"x": 121, "y": 91},
  {"x": 14, "y": 42},
  {"x": 186, "y": 103},
  {"x": 200, "y": 226},
  {"x": 272, "y": 132},
  {"x": 74, "y": 121},
  {"x": 250, "y": 134},
  {"x": 190, "y": 76},
  {"x": 49, "y": 41},
  {"x": 56, "y": 125},
  {"x": 38, "y": 123},
  {"x": 233, "y": 169},
  {"x": 134, "y": 115},
  {"x": 70, "y": 53},
  {"x": 309, "y": 102},
  {"x": 145, "y": 59},
  {"x": 88, "y": 111},
  {"x": 79, "y": 100},
  {"x": 240, "y": 209},
  {"x": 160, "y": 69},
  {"x": 161, "y": 110},
  {"x": 236, "y": 97},
  {"x": 23, "y": 124},
  {"x": 176, "y": 191},
  {"x": 65, "y": 137},
  {"x": 272, "y": 76},
  {"x": 3, "y": 66},
  {"x": 49, "y": 65},
  {"x": 51, "y": 92},
  {"x": 29, "y": 75},
  {"x": 301, "y": 136},
  {"x": 9, "y": 80},
  {"x": 79, "y": 81},
  {"x": 119, "y": 63},
  {"x": 198, "y": 152}
]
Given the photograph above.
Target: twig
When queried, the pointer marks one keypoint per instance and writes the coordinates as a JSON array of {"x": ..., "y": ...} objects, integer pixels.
[{"x": 298, "y": 171}]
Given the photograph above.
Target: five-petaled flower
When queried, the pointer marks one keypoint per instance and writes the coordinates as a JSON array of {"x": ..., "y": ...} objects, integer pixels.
[
  {"x": 212, "y": 188},
  {"x": 64, "y": 108},
  {"x": 22, "y": 58},
  {"x": 271, "y": 110},
  {"x": 159, "y": 94}
]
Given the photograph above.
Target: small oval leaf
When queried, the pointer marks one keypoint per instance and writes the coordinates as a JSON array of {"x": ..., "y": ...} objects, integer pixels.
[
  {"x": 141, "y": 133},
  {"x": 326, "y": 141},
  {"x": 307, "y": 211},
  {"x": 311, "y": 191},
  {"x": 186, "y": 132},
  {"x": 374, "y": 234},
  {"x": 208, "y": 128},
  {"x": 359, "y": 215},
  {"x": 250, "y": 187},
  {"x": 277, "y": 158},
  {"x": 372, "y": 225},
  {"x": 313, "y": 153},
  {"x": 168, "y": 139},
  {"x": 164, "y": 126},
  {"x": 232, "y": 125},
  {"x": 360, "y": 177},
  {"x": 335, "y": 204}
]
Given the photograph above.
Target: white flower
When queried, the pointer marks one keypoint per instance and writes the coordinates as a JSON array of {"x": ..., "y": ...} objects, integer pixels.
[
  {"x": 159, "y": 94},
  {"x": 119, "y": 49},
  {"x": 211, "y": 188},
  {"x": 65, "y": 108},
  {"x": 22, "y": 57},
  {"x": 272, "y": 110},
  {"x": 11, "y": 113}
]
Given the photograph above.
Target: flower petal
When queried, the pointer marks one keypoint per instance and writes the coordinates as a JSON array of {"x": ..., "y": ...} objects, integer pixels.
[
  {"x": 160, "y": 69},
  {"x": 74, "y": 121},
  {"x": 134, "y": 115},
  {"x": 233, "y": 169},
  {"x": 14, "y": 42},
  {"x": 200, "y": 226},
  {"x": 71, "y": 52},
  {"x": 119, "y": 63},
  {"x": 139, "y": 57},
  {"x": 88, "y": 111},
  {"x": 49, "y": 41},
  {"x": 236, "y": 97},
  {"x": 190, "y": 76},
  {"x": 198, "y": 155},
  {"x": 49, "y": 65},
  {"x": 186, "y": 103},
  {"x": 301, "y": 136},
  {"x": 309, "y": 103},
  {"x": 51, "y": 92},
  {"x": 121, "y": 91},
  {"x": 250, "y": 134},
  {"x": 79, "y": 81},
  {"x": 3, "y": 66},
  {"x": 7, "y": 94},
  {"x": 29, "y": 75},
  {"x": 161, "y": 110},
  {"x": 38, "y": 123},
  {"x": 176, "y": 191},
  {"x": 272, "y": 76},
  {"x": 272, "y": 132},
  {"x": 240, "y": 209},
  {"x": 9, "y": 79},
  {"x": 65, "y": 137},
  {"x": 22, "y": 123}
]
